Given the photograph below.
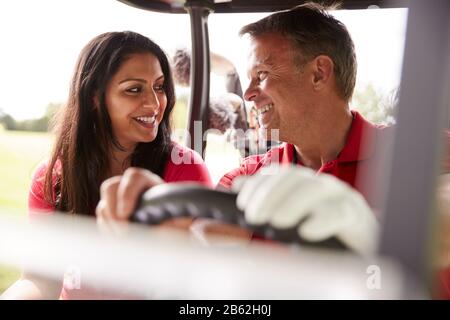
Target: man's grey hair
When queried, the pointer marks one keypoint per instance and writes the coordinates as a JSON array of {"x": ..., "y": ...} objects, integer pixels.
[{"x": 313, "y": 32}]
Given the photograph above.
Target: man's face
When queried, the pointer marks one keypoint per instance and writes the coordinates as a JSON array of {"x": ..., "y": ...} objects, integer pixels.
[{"x": 279, "y": 89}]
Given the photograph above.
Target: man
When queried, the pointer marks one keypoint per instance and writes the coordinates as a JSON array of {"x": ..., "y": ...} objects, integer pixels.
[{"x": 302, "y": 71}]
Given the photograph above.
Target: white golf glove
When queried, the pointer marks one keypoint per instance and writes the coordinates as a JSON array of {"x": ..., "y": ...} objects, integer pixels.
[{"x": 285, "y": 196}]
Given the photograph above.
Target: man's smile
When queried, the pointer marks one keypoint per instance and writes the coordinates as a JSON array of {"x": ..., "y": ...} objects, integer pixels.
[{"x": 264, "y": 109}]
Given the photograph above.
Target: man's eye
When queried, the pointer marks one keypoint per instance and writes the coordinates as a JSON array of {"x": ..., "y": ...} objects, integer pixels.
[
  {"x": 261, "y": 75},
  {"x": 134, "y": 90}
]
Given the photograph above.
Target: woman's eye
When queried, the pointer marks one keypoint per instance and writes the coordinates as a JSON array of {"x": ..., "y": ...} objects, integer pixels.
[
  {"x": 261, "y": 75},
  {"x": 134, "y": 90},
  {"x": 159, "y": 88}
]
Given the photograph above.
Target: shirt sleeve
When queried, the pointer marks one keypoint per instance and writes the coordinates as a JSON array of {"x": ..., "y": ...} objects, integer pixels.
[
  {"x": 249, "y": 166},
  {"x": 442, "y": 289},
  {"x": 36, "y": 196},
  {"x": 227, "y": 180},
  {"x": 186, "y": 165}
]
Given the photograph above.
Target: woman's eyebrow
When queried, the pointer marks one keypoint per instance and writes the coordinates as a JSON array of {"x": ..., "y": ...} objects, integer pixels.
[
  {"x": 139, "y": 79},
  {"x": 133, "y": 79}
]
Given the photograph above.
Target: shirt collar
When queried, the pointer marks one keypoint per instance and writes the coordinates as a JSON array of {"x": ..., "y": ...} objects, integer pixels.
[
  {"x": 288, "y": 154},
  {"x": 361, "y": 140},
  {"x": 360, "y": 143}
]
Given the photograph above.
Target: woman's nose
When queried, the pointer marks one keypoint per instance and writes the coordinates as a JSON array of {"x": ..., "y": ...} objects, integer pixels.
[{"x": 151, "y": 100}]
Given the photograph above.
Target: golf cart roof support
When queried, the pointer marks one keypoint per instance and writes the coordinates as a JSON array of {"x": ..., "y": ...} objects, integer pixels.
[
  {"x": 411, "y": 184},
  {"x": 199, "y": 100}
]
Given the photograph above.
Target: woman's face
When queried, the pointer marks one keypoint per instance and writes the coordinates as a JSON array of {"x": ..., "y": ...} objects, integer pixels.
[{"x": 136, "y": 100}]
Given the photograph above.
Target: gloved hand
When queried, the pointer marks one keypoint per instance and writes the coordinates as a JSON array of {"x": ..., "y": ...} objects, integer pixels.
[{"x": 321, "y": 205}]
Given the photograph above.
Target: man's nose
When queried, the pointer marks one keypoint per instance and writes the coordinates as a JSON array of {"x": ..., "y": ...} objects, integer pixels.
[{"x": 251, "y": 92}]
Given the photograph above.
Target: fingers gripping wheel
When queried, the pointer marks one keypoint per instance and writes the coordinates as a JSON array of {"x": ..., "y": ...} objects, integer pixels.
[{"x": 167, "y": 201}]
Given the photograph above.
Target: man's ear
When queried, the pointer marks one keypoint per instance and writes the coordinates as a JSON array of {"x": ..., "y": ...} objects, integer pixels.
[{"x": 323, "y": 69}]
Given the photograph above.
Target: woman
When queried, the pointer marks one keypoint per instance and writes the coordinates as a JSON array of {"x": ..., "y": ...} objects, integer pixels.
[{"x": 117, "y": 116}]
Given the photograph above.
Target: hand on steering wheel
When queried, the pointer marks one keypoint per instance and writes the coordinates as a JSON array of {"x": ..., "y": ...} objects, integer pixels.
[
  {"x": 166, "y": 201},
  {"x": 319, "y": 207}
]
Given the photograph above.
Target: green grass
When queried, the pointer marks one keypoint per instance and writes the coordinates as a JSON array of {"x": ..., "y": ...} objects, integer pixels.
[{"x": 20, "y": 153}]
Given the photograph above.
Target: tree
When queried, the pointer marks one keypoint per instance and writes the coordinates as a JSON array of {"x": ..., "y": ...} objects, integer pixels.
[
  {"x": 377, "y": 107},
  {"x": 50, "y": 112},
  {"x": 7, "y": 121},
  {"x": 39, "y": 124}
]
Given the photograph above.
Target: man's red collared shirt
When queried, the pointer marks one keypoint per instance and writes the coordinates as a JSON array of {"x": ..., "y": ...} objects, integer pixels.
[{"x": 351, "y": 165}]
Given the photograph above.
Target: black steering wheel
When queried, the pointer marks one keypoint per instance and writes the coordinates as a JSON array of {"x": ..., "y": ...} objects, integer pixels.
[{"x": 175, "y": 200}]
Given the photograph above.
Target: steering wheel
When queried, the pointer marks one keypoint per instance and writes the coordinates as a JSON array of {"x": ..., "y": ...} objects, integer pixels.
[{"x": 174, "y": 200}]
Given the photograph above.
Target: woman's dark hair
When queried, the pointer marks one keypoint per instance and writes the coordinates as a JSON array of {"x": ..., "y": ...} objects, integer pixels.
[{"x": 84, "y": 135}]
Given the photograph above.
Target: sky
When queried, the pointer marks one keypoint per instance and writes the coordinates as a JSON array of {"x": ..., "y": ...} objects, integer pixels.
[{"x": 40, "y": 42}]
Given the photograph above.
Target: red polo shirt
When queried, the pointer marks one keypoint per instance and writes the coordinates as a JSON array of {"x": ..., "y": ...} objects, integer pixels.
[{"x": 356, "y": 157}]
